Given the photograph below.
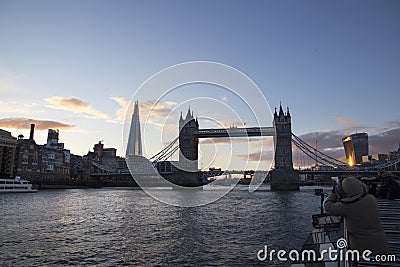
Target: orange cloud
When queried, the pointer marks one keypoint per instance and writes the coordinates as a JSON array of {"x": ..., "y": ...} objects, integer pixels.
[
  {"x": 75, "y": 105},
  {"x": 346, "y": 122},
  {"x": 24, "y": 123},
  {"x": 161, "y": 109}
]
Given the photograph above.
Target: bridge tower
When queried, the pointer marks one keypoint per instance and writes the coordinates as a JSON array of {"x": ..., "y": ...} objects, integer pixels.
[
  {"x": 188, "y": 152},
  {"x": 283, "y": 176}
]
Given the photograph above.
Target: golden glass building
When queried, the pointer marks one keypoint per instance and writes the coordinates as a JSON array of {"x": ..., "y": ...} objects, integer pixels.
[{"x": 355, "y": 147}]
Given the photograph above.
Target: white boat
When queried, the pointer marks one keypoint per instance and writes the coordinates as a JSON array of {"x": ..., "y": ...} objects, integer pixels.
[{"x": 16, "y": 185}]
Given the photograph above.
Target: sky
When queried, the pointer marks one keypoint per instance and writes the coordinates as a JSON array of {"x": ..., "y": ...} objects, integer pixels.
[{"x": 76, "y": 65}]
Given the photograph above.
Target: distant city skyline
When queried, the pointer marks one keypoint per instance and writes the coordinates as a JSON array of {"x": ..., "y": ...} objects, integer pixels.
[{"x": 75, "y": 66}]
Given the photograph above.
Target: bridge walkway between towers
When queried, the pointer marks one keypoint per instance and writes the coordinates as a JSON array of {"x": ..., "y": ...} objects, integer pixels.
[{"x": 235, "y": 132}]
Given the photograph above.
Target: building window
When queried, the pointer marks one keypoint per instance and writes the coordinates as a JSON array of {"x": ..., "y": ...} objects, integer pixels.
[
  {"x": 25, "y": 157},
  {"x": 35, "y": 157}
]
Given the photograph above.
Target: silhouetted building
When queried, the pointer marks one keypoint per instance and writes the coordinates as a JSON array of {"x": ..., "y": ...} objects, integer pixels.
[
  {"x": 8, "y": 145},
  {"x": 355, "y": 147},
  {"x": 103, "y": 167},
  {"x": 106, "y": 158},
  {"x": 47, "y": 164}
]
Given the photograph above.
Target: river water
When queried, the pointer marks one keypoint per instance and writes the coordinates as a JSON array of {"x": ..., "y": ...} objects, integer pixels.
[{"x": 126, "y": 227}]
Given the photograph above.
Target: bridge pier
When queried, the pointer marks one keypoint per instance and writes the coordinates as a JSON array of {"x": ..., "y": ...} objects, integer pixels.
[
  {"x": 187, "y": 179},
  {"x": 284, "y": 180}
]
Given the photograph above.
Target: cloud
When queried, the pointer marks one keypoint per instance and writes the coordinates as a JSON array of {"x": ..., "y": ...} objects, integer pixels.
[
  {"x": 75, "y": 105},
  {"x": 346, "y": 122},
  {"x": 156, "y": 112},
  {"x": 384, "y": 142},
  {"x": 158, "y": 115},
  {"x": 162, "y": 115},
  {"x": 159, "y": 110},
  {"x": 24, "y": 123},
  {"x": 349, "y": 125},
  {"x": 393, "y": 124},
  {"x": 121, "y": 112}
]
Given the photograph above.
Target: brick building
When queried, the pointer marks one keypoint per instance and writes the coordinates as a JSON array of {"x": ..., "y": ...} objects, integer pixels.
[{"x": 43, "y": 164}]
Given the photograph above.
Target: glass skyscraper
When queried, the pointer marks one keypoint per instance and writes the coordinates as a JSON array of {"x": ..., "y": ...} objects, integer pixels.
[{"x": 355, "y": 146}]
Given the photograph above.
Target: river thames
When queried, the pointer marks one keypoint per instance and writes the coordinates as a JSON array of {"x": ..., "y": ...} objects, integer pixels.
[{"x": 124, "y": 226}]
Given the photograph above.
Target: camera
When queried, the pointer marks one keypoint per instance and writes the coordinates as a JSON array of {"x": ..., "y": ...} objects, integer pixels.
[{"x": 319, "y": 192}]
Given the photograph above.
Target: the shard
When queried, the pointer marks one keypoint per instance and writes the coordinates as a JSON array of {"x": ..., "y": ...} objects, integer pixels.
[
  {"x": 141, "y": 169},
  {"x": 135, "y": 139}
]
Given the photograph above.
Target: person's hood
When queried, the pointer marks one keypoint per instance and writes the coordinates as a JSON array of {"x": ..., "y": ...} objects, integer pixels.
[{"x": 353, "y": 189}]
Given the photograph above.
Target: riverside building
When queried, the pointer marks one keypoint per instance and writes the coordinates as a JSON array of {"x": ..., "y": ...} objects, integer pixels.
[
  {"x": 8, "y": 144},
  {"x": 47, "y": 164}
]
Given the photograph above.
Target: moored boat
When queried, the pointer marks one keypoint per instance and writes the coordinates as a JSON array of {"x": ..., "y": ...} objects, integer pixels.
[{"x": 16, "y": 185}]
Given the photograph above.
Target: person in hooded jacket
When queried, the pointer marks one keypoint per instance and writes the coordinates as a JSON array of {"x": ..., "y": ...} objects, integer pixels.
[
  {"x": 361, "y": 215},
  {"x": 390, "y": 186}
]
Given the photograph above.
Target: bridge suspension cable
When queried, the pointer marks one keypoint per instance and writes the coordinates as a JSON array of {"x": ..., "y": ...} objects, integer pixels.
[
  {"x": 102, "y": 167},
  {"x": 327, "y": 160},
  {"x": 385, "y": 165},
  {"x": 166, "y": 152},
  {"x": 312, "y": 152}
]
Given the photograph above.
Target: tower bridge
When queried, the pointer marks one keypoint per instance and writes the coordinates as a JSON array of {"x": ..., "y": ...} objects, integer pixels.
[{"x": 283, "y": 177}]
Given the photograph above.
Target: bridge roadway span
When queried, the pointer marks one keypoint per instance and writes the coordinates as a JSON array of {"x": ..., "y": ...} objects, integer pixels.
[
  {"x": 235, "y": 132},
  {"x": 343, "y": 171}
]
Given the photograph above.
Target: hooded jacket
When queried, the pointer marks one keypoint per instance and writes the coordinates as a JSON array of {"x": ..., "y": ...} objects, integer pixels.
[{"x": 361, "y": 216}]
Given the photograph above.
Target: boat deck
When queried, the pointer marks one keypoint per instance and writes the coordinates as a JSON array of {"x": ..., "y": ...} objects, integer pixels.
[{"x": 390, "y": 218}]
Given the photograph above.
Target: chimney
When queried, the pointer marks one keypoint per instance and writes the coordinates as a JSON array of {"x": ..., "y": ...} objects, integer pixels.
[{"x": 32, "y": 131}]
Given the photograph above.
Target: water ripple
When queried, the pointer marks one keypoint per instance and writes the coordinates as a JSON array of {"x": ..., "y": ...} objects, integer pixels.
[{"x": 114, "y": 227}]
